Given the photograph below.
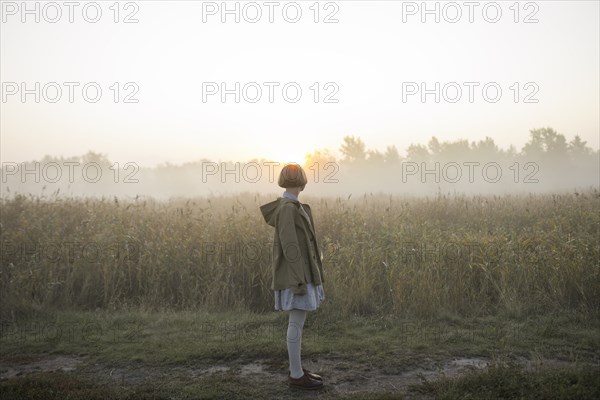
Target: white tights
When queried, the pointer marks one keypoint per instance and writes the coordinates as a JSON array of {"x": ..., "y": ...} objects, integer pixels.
[{"x": 294, "y": 341}]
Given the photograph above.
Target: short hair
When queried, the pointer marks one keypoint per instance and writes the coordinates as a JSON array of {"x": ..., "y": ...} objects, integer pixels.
[{"x": 292, "y": 175}]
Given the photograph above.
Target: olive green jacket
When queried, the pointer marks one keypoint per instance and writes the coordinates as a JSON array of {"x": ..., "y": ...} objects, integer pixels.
[{"x": 296, "y": 256}]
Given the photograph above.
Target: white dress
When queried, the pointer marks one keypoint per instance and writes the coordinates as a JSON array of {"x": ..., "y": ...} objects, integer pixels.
[{"x": 286, "y": 300}]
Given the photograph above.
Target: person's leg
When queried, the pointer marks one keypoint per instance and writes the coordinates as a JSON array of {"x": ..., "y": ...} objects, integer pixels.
[{"x": 294, "y": 341}]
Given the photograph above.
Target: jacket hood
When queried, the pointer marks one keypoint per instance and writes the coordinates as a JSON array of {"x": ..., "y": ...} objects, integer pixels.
[{"x": 271, "y": 210}]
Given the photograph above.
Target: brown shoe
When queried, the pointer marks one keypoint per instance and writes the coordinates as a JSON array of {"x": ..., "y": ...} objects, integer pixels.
[
  {"x": 304, "y": 382},
  {"x": 312, "y": 375}
]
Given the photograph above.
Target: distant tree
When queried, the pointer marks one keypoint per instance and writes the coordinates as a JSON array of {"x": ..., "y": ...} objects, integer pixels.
[
  {"x": 545, "y": 141},
  {"x": 93, "y": 157},
  {"x": 391, "y": 155},
  {"x": 535, "y": 146},
  {"x": 374, "y": 157},
  {"x": 353, "y": 149},
  {"x": 486, "y": 146},
  {"x": 511, "y": 153},
  {"x": 486, "y": 149},
  {"x": 434, "y": 146},
  {"x": 578, "y": 148},
  {"x": 555, "y": 144},
  {"x": 417, "y": 152},
  {"x": 456, "y": 150},
  {"x": 48, "y": 158}
]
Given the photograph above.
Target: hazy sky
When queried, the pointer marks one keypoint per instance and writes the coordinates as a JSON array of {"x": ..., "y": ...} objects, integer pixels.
[{"x": 368, "y": 55}]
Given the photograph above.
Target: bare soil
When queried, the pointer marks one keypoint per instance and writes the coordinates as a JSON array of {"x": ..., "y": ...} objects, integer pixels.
[{"x": 341, "y": 376}]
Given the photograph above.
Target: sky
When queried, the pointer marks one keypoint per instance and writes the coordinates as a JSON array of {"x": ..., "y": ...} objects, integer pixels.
[{"x": 369, "y": 68}]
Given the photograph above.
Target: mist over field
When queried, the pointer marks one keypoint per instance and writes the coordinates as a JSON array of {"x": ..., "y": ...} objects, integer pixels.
[{"x": 548, "y": 163}]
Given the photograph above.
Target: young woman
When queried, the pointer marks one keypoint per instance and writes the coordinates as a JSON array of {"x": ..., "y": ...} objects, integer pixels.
[{"x": 297, "y": 267}]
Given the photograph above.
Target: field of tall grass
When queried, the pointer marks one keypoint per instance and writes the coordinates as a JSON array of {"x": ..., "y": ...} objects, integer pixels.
[{"x": 382, "y": 255}]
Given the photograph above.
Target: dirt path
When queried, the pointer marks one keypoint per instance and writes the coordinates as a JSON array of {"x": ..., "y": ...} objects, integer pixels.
[{"x": 341, "y": 375}]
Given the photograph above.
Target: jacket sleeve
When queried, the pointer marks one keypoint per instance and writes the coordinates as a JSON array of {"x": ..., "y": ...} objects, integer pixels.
[{"x": 290, "y": 247}]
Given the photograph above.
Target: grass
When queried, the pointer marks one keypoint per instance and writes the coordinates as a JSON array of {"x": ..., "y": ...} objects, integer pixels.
[
  {"x": 121, "y": 337},
  {"x": 415, "y": 257},
  {"x": 148, "y": 296},
  {"x": 513, "y": 382},
  {"x": 162, "y": 349}
]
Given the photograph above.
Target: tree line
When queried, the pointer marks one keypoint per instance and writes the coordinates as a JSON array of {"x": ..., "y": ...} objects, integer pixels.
[{"x": 548, "y": 162}]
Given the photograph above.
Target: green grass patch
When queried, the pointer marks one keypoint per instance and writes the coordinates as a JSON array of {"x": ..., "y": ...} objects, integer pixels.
[
  {"x": 204, "y": 337},
  {"x": 511, "y": 381}
]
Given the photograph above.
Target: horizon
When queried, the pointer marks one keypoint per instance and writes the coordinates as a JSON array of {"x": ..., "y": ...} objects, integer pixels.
[{"x": 336, "y": 153}]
